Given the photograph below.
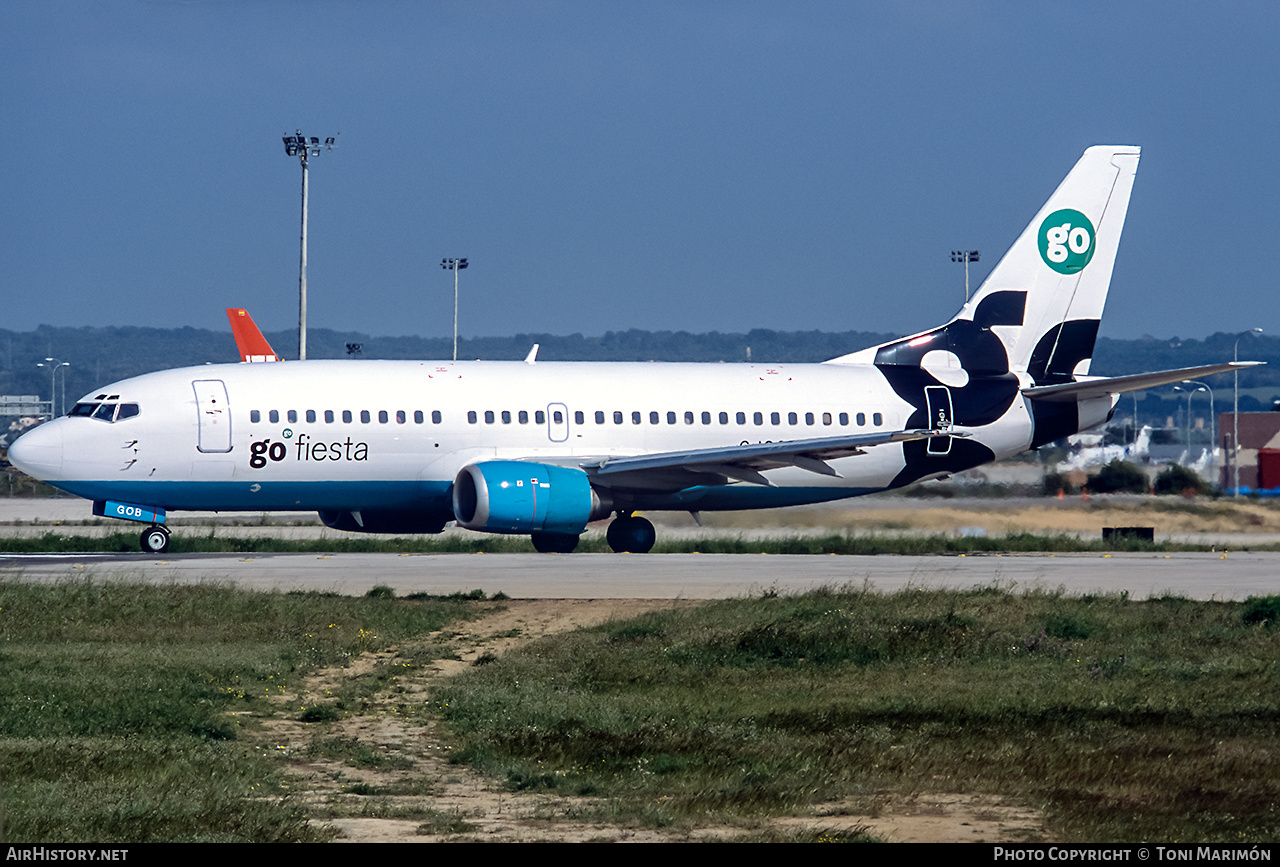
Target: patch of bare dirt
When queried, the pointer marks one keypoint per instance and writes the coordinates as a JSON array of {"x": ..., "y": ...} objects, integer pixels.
[{"x": 410, "y": 792}]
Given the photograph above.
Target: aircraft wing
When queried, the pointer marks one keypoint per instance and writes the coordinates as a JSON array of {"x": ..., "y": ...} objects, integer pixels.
[
  {"x": 1102, "y": 387},
  {"x": 746, "y": 462}
]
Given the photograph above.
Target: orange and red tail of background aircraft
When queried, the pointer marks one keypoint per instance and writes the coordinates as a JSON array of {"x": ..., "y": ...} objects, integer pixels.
[{"x": 249, "y": 340}]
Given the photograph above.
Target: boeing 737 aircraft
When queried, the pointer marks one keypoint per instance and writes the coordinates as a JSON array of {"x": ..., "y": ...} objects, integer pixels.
[{"x": 546, "y": 448}]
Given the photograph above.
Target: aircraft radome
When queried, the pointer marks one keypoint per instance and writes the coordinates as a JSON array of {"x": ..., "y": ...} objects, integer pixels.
[{"x": 545, "y": 448}]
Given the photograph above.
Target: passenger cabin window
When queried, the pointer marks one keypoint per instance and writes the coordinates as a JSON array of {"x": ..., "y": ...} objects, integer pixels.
[{"x": 254, "y": 415}]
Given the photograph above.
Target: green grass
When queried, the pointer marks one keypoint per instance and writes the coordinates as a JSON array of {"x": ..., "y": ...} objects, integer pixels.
[
  {"x": 1123, "y": 721},
  {"x": 116, "y": 701},
  {"x": 192, "y": 541},
  {"x": 184, "y": 542}
]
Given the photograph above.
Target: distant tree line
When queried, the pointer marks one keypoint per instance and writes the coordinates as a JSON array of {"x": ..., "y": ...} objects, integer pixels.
[{"x": 99, "y": 355}]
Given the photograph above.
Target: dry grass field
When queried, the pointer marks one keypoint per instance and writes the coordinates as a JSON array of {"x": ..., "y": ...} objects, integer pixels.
[{"x": 1084, "y": 516}]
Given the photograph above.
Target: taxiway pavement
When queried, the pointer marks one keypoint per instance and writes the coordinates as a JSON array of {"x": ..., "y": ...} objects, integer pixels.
[{"x": 674, "y": 576}]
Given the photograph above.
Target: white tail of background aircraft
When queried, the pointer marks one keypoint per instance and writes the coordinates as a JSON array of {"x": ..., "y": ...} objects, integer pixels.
[{"x": 545, "y": 448}]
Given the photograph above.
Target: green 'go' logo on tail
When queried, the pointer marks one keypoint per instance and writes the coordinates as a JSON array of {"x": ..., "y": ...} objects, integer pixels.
[{"x": 1066, "y": 241}]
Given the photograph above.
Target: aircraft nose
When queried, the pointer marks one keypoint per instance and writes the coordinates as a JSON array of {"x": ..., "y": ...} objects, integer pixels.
[{"x": 38, "y": 452}]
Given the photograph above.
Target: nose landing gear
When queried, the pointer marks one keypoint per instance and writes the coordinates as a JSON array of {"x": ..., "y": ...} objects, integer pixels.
[{"x": 155, "y": 539}]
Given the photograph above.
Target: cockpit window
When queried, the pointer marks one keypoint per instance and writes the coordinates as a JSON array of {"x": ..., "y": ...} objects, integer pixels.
[{"x": 108, "y": 412}]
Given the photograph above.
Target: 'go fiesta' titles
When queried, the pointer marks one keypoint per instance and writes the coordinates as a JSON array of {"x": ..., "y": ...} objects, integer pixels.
[{"x": 305, "y": 449}]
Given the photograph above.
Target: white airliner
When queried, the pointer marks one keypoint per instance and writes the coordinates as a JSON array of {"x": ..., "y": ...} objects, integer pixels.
[{"x": 545, "y": 448}]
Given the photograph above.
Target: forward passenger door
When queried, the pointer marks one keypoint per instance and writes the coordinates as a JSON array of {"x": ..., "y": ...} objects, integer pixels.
[{"x": 215, "y": 415}]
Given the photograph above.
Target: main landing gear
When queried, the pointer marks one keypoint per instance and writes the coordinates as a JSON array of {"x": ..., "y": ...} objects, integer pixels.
[
  {"x": 627, "y": 534},
  {"x": 630, "y": 534},
  {"x": 154, "y": 539}
]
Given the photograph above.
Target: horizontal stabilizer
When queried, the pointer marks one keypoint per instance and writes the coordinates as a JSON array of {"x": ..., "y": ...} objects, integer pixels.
[{"x": 1092, "y": 388}]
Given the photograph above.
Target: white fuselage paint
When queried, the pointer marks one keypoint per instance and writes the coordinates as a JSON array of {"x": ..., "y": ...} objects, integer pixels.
[{"x": 161, "y": 447}]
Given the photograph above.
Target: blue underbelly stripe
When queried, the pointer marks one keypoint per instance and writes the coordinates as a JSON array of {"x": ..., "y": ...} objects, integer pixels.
[{"x": 269, "y": 496}]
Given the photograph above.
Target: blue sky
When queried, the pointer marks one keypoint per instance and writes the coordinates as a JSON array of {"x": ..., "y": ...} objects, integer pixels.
[{"x": 704, "y": 166}]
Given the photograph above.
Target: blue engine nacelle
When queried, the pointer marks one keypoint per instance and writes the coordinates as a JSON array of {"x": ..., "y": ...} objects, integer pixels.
[{"x": 520, "y": 497}]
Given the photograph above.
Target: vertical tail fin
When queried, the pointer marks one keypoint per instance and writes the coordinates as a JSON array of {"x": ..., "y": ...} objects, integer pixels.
[
  {"x": 1038, "y": 310},
  {"x": 1060, "y": 267},
  {"x": 249, "y": 340}
]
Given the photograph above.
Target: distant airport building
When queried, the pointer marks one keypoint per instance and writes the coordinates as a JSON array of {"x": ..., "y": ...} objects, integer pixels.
[{"x": 1259, "y": 452}]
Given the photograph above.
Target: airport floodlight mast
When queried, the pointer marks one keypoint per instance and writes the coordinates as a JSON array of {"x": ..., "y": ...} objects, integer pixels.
[
  {"x": 303, "y": 148},
  {"x": 54, "y": 366},
  {"x": 1235, "y": 414},
  {"x": 1200, "y": 386},
  {"x": 454, "y": 265},
  {"x": 965, "y": 256}
]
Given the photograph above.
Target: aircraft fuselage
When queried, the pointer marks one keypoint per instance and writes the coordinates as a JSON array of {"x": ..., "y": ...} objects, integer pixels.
[{"x": 346, "y": 436}]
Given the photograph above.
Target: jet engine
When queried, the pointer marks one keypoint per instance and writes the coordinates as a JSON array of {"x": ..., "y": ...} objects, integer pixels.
[{"x": 521, "y": 497}]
